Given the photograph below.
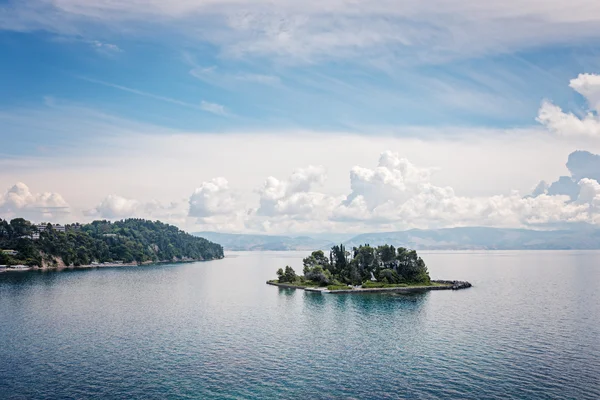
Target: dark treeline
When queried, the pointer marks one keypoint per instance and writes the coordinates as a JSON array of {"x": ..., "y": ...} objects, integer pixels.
[
  {"x": 385, "y": 264},
  {"x": 130, "y": 240}
]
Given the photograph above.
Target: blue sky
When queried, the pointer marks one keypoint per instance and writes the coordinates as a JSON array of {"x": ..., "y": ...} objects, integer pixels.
[{"x": 80, "y": 78}]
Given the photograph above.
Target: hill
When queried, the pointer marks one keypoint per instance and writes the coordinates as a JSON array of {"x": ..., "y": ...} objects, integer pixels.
[
  {"x": 131, "y": 240},
  {"x": 467, "y": 238},
  {"x": 479, "y": 238},
  {"x": 241, "y": 242}
]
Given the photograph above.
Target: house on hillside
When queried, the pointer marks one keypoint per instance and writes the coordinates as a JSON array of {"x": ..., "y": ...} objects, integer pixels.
[{"x": 42, "y": 228}]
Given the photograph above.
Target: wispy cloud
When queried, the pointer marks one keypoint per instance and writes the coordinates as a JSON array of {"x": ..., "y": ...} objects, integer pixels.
[
  {"x": 214, "y": 76},
  {"x": 213, "y": 108},
  {"x": 106, "y": 48},
  {"x": 310, "y": 31},
  {"x": 203, "y": 106}
]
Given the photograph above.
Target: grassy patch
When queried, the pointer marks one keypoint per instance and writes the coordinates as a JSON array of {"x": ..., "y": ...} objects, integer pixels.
[
  {"x": 297, "y": 282},
  {"x": 338, "y": 287},
  {"x": 439, "y": 284},
  {"x": 380, "y": 285}
]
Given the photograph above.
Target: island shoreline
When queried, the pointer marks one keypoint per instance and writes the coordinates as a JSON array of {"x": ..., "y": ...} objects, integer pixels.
[{"x": 442, "y": 285}]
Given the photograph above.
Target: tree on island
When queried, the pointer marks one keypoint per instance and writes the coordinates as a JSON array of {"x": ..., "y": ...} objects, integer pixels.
[
  {"x": 388, "y": 265},
  {"x": 289, "y": 275}
]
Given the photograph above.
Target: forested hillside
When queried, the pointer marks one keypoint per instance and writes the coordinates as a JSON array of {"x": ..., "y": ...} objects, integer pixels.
[{"x": 131, "y": 240}]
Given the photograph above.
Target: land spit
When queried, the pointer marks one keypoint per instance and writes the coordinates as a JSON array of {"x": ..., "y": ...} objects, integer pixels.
[{"x": 440, "y": 285}]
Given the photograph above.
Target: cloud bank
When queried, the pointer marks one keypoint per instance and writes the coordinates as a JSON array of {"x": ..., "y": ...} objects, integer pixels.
[{"x": 395, "y": 194}]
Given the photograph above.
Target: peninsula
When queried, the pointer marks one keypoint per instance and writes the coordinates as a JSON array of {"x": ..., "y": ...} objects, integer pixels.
[
  {"x": 365, "y": 269},
  {"x": 24, "y": 245}
]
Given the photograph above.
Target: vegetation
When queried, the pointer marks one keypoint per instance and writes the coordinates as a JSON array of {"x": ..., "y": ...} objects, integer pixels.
[
  {"x": 374, "y": 267},
  {"x": 131, "y": 240},
  {"x": 339, "y": 287}
]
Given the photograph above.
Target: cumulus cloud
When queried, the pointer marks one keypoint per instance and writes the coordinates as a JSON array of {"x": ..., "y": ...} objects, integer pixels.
[
  {"x": 114, "y": 207},
  {"x": 295, "y": 196},
  {"x": 568, "y": 124},
  {"x": 212, "y": 198},
  {"x": 581, "y": 165},
  {"x": 19, "y": 201},
  {"x": 394, "y": 178},
  {"x": 395, "y": 194},
  {"x": 588, "y": 85},
  {"x": 398, "y": 194},
  {"x": 214, "y": 206},
  {"x": 397, "y": 191}
]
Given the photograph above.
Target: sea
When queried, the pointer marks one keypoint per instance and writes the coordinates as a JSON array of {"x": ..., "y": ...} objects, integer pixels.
[{"x": 529, "y": 328}]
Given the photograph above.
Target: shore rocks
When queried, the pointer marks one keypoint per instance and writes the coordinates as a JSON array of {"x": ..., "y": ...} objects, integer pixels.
[{"x": 456, "y": 285}]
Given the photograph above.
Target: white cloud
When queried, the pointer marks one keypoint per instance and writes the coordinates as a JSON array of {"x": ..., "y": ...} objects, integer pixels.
[
  {"x": 568, "y": 124},
  {"x": 214, "y": 206},
  {"x": 399, "y": 195},
  {"x": 588, "y": 85},
  {"x": 394, "y": 195},
  {"x": 212, "y": 198},
  {"x": 18, "y": 201},
  {"x": 115, "y": 207},
  {"x": 294, "y": 197}
]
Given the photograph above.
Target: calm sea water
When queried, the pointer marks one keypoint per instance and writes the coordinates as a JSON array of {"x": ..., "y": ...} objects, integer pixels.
[{"x": 528, "y": 329}]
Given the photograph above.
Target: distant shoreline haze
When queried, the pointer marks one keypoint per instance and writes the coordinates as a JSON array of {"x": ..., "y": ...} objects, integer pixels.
[{"x": 464, "y": 238}]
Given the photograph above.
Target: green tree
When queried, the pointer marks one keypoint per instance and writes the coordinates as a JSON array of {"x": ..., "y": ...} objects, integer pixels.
[
  {"x": 316, "y": 258},
  {"x": 289, "y": 275}
]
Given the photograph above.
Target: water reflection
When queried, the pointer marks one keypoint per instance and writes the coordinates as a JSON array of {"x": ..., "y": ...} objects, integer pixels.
[
  {"x": 381, "y": 303},
  {"x": 286, "y": 291}
]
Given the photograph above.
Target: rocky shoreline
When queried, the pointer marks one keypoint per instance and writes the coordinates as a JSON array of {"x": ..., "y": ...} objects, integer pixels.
[{"x": 442, "y": 285}]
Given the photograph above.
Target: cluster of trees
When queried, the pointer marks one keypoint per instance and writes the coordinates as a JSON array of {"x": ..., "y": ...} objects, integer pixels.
[
  {"x": 103, "y": 241},
  {"x": 385, "y": 263},
  {"x": 289, "y": 275}
]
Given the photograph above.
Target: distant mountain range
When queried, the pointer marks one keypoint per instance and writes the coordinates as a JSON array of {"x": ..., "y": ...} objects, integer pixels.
[
  {"x": 471, "y": 238},
  {"x": 233, "y": 241}
]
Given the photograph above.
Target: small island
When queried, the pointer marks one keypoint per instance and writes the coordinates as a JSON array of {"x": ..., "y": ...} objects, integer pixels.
[
  {"x": 364, "y": 270},
  {"x": 24, "y": 245}
]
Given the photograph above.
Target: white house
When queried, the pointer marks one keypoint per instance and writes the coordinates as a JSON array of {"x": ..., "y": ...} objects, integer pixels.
[{"x": 42, "y": 227}]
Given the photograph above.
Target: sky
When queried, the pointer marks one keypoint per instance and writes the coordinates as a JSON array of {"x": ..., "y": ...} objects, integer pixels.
[{"x": 288, "y": 117}]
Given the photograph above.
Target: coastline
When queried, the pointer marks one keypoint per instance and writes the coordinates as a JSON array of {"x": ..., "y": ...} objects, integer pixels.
[
  {"x": 442, "y": 285},
  {"x": 103, "y": 265}
]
